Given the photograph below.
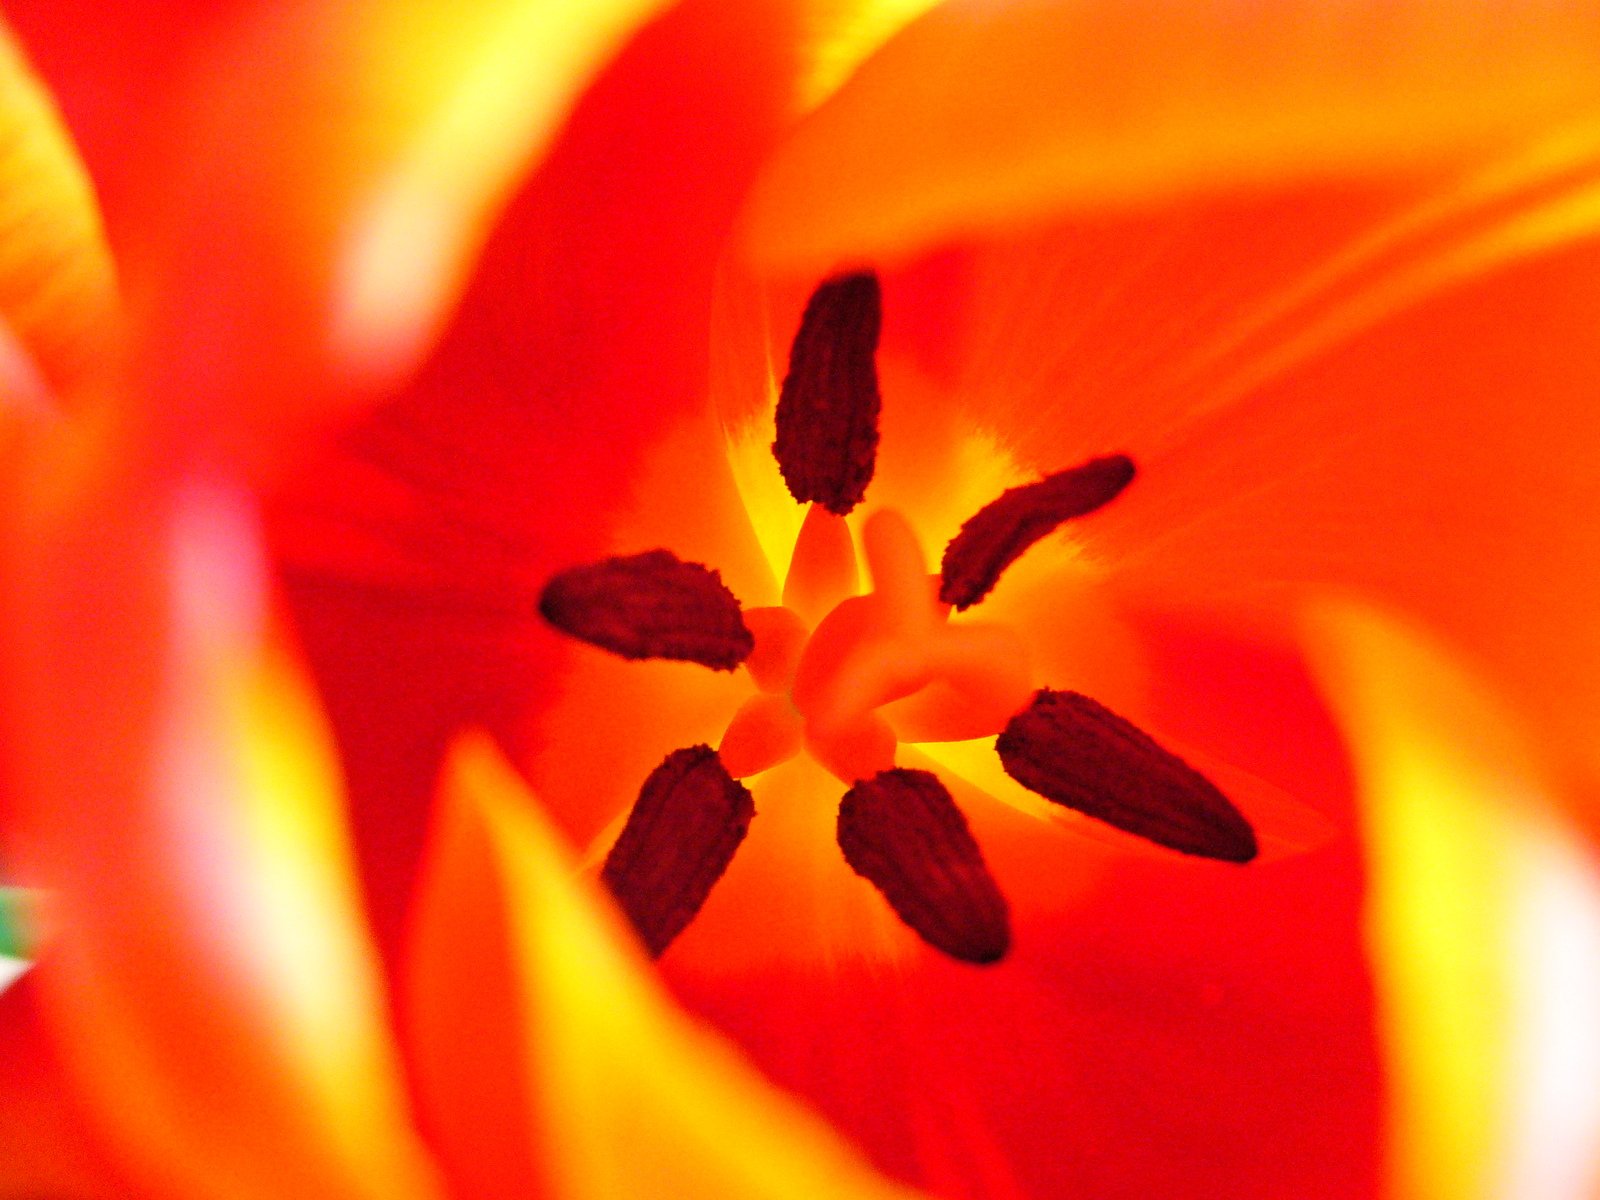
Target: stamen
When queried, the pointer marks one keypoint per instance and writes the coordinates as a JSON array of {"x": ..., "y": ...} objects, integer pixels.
[
  {"x": 996, "y": 536},
  {"x": 822, "y": 569},
  {"x": 981, "y": 678},
  {"x": 856, "y": 748},
  {"x": 780, "y": 636},
  {"x": 1070, "y": 749},
  {"x": 650, "y": 605},
  {"x": 899, "y": 572},
  {"x": 680, "y": 837},
  {"x": 903, "y": 833},
  {"x": 828, "y": 406},
  {"x": 764, "y": 732}
]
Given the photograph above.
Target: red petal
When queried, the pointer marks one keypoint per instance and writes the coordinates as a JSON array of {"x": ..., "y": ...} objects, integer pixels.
[{"x": 579, "y": 347}]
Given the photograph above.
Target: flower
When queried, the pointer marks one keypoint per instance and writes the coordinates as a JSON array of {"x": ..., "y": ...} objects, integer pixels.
[
  {"x": 855, "y": 681},
  {"x": 1290, "y": 261}
]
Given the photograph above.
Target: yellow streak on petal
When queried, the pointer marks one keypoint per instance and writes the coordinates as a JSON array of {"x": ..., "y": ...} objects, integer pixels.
[
  {"x": 847, "y": 32},
  {"x": 57, "y": 285},
  {"x": 638, "y": 1100},
  {"x": 1542, "y": 198},
  {"x": 979, "y": 117},
  {"x": 473, "y": 91},
  {"x": 308, "y": 934},
  {"x": 383, "y": 137},
  {"x": 976, "y": 762},
  {"x": 216, "y": 993},
  {"x": 1452, "y": 805},
  {"x": 774, "y": 515}
]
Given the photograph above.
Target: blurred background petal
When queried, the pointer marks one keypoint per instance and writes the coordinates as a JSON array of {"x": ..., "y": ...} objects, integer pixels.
[
  {"x": 982, "y": 116},
  {"x": 612, "y": 1093},
  {"x": 1483, "y": 924},
  {"x": 207, "y": 980},
  {"x": 58, "y": 299}
]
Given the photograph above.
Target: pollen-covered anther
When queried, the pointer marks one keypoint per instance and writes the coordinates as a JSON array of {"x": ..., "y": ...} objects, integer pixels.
[
  {"x": 651, "y": 605},
  {"x": 680, "y": 837},
  {"x": 902, "y": 832},
  {"x": 1002, "y": 530},
  {"x": 1078, "y": 753},
  {"x": 827, "y": 420}
]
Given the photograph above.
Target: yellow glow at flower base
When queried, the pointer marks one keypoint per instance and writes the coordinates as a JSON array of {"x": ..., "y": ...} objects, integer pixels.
[
  {"x": 626, "y": 1097},
  {"x": 1470, "y": 883}
]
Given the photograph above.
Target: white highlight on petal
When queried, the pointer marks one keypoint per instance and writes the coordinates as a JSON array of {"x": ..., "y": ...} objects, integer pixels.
[
  {"x": 22, "y": 384},
  {"x": 500, "y": 78},
  {"x": 1554, "y": 1142},
  {"x": 11, "y": 970},
  {"x": 401, "y": 261}
]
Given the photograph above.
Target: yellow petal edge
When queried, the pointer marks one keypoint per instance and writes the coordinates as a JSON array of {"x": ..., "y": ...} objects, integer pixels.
[{"x": 642, "y": 1102}]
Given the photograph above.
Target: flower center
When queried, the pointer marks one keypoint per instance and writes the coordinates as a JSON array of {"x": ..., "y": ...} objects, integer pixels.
[
  {"x": 878, "y": 668},
  {"x": 846, "y": 676}
]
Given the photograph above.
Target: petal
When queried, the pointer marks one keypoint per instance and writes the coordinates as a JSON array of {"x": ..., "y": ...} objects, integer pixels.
[
  {"x": 1437, "y": 460},
  {"x": 612, "y": 1093},
  {"x": 58, "y": 297},
  {"x": 981, "y": 117},
  {"x": 1174, "y": 1031},
  {"x": 576, "y": 363},
  {"x": 1375, "y": 390},
  {"x": 287, "y": 281},
  {"x": 1484, "y": 923},
  {"x": 209, "y": 980},
  {"x": 114, "y": 70},
  {"x": 51, "y": 1148}
]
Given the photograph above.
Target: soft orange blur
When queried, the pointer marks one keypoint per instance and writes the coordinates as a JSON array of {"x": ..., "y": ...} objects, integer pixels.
[{"x": 329, "y": 330}]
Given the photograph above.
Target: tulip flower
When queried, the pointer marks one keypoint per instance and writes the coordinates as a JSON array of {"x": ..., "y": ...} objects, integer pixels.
[{"x": 456, "y": 326}]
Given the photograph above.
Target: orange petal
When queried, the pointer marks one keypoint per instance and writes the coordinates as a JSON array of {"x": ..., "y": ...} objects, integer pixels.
[
  {"x": 209, "y": 980},
  {"x": 1332, "y": 387},
  {"x": 839, "y": 34},
  {"x": 333, "y": 173},
  {"x": 1438, "y": 460},
  {"x": 613, "y": 1093},
  {"x": 1227, "y": 1009},
  {"x": 1484, "y": 923},
  {"x": 51, "y": 1148},
  {"x": 979, "y": 117},
  {"x": 57, "y": 288}
]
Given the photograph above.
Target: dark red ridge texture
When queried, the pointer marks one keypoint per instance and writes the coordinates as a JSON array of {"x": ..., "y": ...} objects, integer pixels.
[
  {"x": 828, "y": 409},
  {"x": 680, "y": 837},
  {"x": 996, "y": 536},
  {"x": 650, "y": 605},
  {"x": 902, "y": 832},
  {"x": 1080, "y": 754}
]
